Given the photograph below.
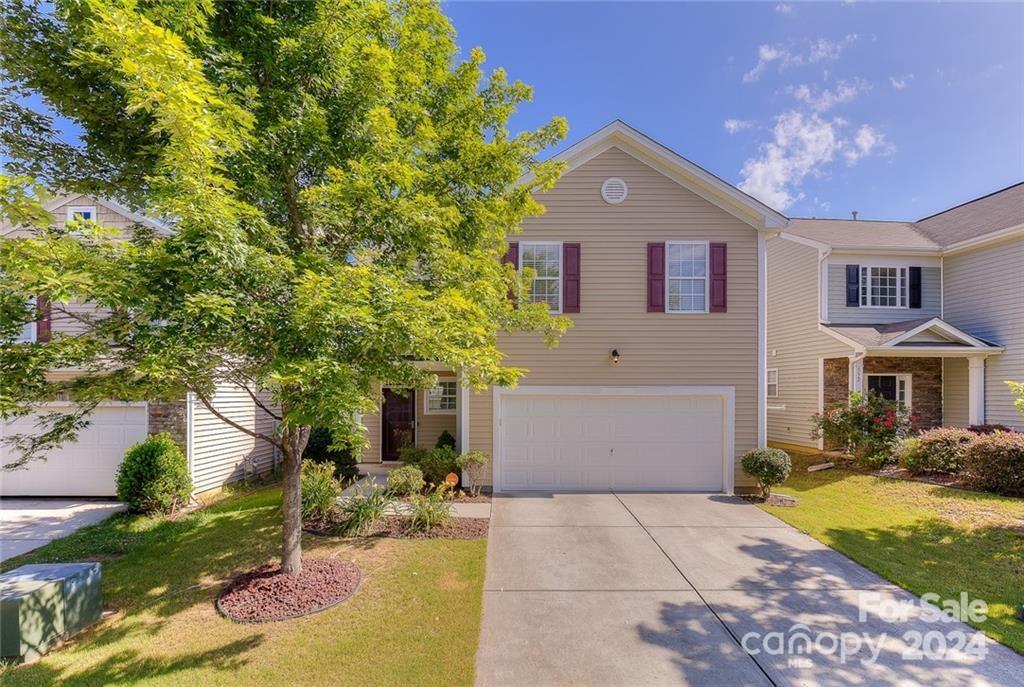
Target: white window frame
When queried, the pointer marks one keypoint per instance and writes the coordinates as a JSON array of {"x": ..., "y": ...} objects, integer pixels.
[
  {"x": 705, "y": 278},
  {"x": 427, "y": 410},
  {"x": 561, "y": 275},
  {"x": 904, "y": 379},
  {"x": 768, "y": 383},
  {"x": 80, "y": 209},
  {"x": 902, "y": 286}
]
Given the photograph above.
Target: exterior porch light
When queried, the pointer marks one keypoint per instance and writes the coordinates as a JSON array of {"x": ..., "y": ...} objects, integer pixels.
[{"x": 615, "y": 356}]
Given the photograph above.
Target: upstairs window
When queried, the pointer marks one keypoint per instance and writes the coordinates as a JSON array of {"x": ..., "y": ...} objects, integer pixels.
[
  {"x": 545, "y": 259},
  {"x": 81, "y": 213},
  {"x": 883, "y": 287},
  {"x": 687, "y": 276}
]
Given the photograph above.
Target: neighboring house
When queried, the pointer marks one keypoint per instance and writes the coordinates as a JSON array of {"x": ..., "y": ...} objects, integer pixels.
[
  {"x": 929, "y": 313},
  {"x": 659, "y": 385},
  {"x": 217, "y": 453}
]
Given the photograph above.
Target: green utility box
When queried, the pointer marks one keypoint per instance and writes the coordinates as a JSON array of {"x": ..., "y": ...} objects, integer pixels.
[{"x": 44, "y": 603}]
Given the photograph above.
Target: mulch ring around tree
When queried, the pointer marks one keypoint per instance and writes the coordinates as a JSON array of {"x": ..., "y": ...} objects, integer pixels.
[
  {"x": 397, "y": 527},
  {"x": 266, "y": 594}
]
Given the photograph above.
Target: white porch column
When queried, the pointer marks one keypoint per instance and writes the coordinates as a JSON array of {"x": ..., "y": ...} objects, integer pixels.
[
  {"x": 461, "y": 416},
  {"x": 857, "y": 374},
  {"x": 976, "y": 390}
]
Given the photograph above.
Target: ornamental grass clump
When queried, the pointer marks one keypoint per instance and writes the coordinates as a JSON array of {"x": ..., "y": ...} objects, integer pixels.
[{"x": 319, "y": 489}]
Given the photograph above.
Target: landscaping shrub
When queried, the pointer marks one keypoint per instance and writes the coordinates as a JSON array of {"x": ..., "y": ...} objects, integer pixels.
[
  {"x": 870, "y": 427},
  {"x": 995, "y": 462},
  {"x": 344, "y": 460},
  {"x": 434, "y": 463},
  {"x": 362, "y": 510},
  {"x": 988, "y": 429},
  {"x": 446, "y": 440},
  {"x": 427, "y": 511},
  {"x": 405, "y": 480},
  {"x": 472, "y": 463},
  {"x": 770, "y": 466},
  {"x": 942, "y": 449},
  {"x": 153, "y": 478},
  {"x": 319, "y": 489}
]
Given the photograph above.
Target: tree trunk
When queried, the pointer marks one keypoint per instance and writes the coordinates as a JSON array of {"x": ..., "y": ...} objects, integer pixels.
[{"x": 293, "y": 443}]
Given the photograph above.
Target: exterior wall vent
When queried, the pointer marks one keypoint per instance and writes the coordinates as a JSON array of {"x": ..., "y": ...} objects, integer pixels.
[{"x": 614, "y": 191}]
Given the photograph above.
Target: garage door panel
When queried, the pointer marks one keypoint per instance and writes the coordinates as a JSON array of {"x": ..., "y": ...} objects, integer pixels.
[
  {"x": 86, "y": 467},
  {"x": 598, "y": 442}
]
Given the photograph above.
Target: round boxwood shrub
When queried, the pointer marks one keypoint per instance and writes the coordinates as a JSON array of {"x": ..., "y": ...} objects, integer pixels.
[
  {"x": 154, "y": 476},
  {"x": 770, "y": 466},
  {"x": 319, "y": 489},
  {"x": 942, "y": 449},
  {"x": 995, "y": 462},
  {"x": 405, "y": 480}
]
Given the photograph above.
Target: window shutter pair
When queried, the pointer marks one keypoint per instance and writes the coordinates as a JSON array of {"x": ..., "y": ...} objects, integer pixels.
[
  {"x": 718, "y": 265},
  {"x": 853, "y": 286},
  {"x": 570, "y": 273}
]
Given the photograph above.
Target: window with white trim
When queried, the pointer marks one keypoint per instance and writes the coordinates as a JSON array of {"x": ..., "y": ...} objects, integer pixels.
[
  {"x": 441, "y": 398},
  {"x": 883, "y": 287},
  {"x": 686, "y": 273},
  {"x": 81, "y": 213},
  {"x": 29, "y": 331},
  {"x": 772, "y": 382},
  {"x": 545, "y": 259},
  {"x": 893, "y": 387}
]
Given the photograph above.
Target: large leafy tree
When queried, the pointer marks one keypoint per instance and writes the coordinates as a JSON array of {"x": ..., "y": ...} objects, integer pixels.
[{"x": 338, "y": 183}]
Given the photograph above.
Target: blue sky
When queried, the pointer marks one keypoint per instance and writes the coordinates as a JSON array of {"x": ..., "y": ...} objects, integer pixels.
[{"x": 896, "y": 110}]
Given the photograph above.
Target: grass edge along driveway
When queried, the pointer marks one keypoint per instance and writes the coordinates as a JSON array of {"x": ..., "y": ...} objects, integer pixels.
[
  {"x": 922, "y": 537},
  {"x": 415, "y": 618}
]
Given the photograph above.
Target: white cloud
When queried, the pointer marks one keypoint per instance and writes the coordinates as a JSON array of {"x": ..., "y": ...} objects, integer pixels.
[
  {"x": 901, "y": 82},
  {"x": 826, "y": 99},
  {"x": 784, "y": 8},
  {"x": 804, "y": 145},
  {"x": 735, "y": 125},
  {"x": 819, "y": 51}
]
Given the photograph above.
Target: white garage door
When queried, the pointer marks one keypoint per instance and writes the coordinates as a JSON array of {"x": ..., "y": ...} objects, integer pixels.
[
  {"x": 642, "y": 441},
  {"x": 84, "y": 468}
]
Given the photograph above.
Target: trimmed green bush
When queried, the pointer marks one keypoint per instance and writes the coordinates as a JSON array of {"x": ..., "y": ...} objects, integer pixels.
[
  {"x": 472, "y": 463},
  {"x": 153, "y": 478},
  {"x": 995, "y": 462},
  {"x": 405, "y": 480},
  {"x": 446, "y": 440},
  {"x": 770, "y": 466},
  {"x": 869, "y": 427},
  {"x": 318, "y": 450},
  {"x": 434, "y": 463},
  {"x": 942, "y": 449},
  {"x": 319, "y": 489}
]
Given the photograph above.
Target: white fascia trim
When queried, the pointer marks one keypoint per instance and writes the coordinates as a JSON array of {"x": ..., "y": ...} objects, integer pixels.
[
  {"x": 857, "y": 347},
  {"x": 789, "y": 236},
  {"x": 945, "y": 328},
  {"x": 676, "y": 167},
  {"x": 726, "y": 393},
  {"x": 868, "y": 250},
  {"x": 762, "y": 340},
  {"x": 932, "y": 352},
  {"x": 967, "y": 244}
]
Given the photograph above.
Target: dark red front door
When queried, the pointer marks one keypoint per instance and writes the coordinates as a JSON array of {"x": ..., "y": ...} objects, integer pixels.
[{"x": 399, "y": 420}]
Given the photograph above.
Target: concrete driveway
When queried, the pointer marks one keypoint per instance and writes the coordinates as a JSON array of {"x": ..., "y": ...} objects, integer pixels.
[
  {"x": 699, "y": 589},
  {"x": 27, "y": 524}
]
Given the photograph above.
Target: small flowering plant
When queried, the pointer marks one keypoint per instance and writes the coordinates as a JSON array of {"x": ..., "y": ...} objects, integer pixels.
[{"x": 869, "y": 427}]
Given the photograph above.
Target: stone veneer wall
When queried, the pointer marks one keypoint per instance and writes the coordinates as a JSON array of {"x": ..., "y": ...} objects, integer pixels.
[
  {"x": 837, "y": 382},
  {"x": 170, "y": 417},
  {"x": 925, "y": 384}
]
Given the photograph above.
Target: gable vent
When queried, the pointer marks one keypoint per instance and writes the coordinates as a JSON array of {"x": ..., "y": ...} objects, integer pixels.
[{"x": 614, "y": 190}]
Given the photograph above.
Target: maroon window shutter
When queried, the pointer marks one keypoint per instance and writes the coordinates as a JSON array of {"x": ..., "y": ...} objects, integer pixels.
[
  {"x": 719, "y": 266},
  {"x": 655, "y": 277},
  {"x": 512, "y": 256},
  {"x": 570, "y": 277},
  {"x": 43, "y": 311}
]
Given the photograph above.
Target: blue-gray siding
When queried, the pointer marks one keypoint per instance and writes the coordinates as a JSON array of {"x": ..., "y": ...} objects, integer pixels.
[{"x": 838, "y": 313}]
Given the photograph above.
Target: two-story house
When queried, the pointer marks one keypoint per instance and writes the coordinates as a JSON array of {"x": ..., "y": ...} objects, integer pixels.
[
  {"x": 928, "y": 313},
  {"x": 660, "y": 382}
]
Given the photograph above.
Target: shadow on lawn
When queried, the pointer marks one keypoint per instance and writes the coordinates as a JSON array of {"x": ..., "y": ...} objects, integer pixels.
[{"x": 705, "y": 653}]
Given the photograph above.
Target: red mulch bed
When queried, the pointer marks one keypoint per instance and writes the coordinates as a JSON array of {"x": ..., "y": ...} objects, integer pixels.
[
  {"x": 266, "y": 594},
  {"x": 397, "y": 527}
]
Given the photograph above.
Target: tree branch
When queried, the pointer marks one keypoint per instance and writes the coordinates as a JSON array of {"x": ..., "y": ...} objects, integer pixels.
[
  {"x": 220, "y": 416},
  {"x": 260, "y": 403}
]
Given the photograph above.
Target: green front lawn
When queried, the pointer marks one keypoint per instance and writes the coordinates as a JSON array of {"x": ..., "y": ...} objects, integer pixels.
[
  {"x": 924, "y": 538},
  {"x": 414, "y": 620}
]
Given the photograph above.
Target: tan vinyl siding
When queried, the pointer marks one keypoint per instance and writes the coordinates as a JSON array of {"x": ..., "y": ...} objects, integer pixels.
[
  {"x": 954, "y": 392},
  {"x": 794, "y": 343},
  {"x": 985, "y": 297},
  {"x": 838, "y": 313},
  {"x": 219, "y": 451}
]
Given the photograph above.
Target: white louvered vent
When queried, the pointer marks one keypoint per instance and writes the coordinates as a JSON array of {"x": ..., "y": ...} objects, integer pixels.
[{"x": 614, "y": 190}]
